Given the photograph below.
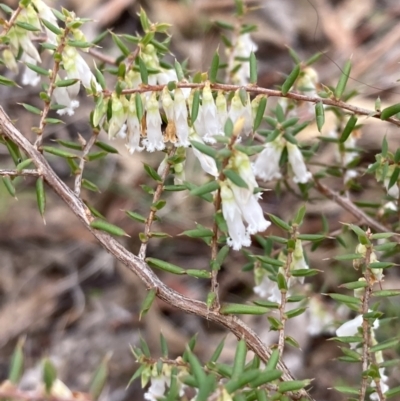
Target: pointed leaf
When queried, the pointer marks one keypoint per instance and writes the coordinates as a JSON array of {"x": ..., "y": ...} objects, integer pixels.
[
  {"x": 214, "y": 68},
  {"x": 148, "y": 301},
  {"x": 341, "y": 85},
  {"x": 109, "y": 228},
  {"x": 348, "y": 129},
  {"x": 290, "y": 80},
  {"x": 253, "y": 68}
]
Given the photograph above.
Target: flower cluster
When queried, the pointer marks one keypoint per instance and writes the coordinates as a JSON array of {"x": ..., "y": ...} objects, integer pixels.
[
  {"x": 240, "y": 204},
  {"x": 73, "y": 65},
  {"x": 21, "y": 38},
  {"x": 268, "y": 288},
  {"x": 267, "y": 164},
  {"x": 139, "y": 118}
]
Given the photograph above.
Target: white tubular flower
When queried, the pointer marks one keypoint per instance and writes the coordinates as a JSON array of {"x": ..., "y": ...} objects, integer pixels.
[
  {"x": 77, "y": 68},
  {"x": 45, "y": 12},
  {"x": 248, "y": 117},
  {"x": 350, "y": 328},
  {"x": 133, "y": 79},
  {"x": 268, "y": 289},
  {"x": 181, "y": 116},
  {"x": 207, "y": 163},
  {"x": 242, "y": 49},
  {"x": 298, "y": 261},
  {"x": 199, "y": 125},
  {"x": 266, "y": 165},
  {"x": 349, "y": 175},
  {"x": 307, "y": 82},
  {"x": 238, "y": 235},
  {"x": 168, "y": 104},
  {"x": 61, "y": 96},
  {"x": 154, "y": 140},
  {"x": 255, "y": 103},
  {"x": 99, "y": 113},
  {"x": 252, "y": 213},
  {"x": 179, "y": 173},
  {"x": 383, "y": 377},
  {"x": 301, "y": 174},
  {"x": 350, "y": 155},
  {"x": 393, "y": 191},
  {"x": 152, "y": 80},
  {"x": 20, "y": 37},
  {"x": 117, "y": 125},
  {"x": 166, "y": 76},
  {"x": 240, "y": 162},
  {"x": 9, "y": 61},
  {"x": 29, "y": 48},
  {"x": 222, "y": 110},
  {"x": 156, "y": 389},
  {"x": 69, "y": 56},
  {"x": 133, "y": 128},
  {"x": 29, "y": 77},
  {"x": 160, "y": 381},
  {"x": 209, "y": 115},
  {"x": 237, "y": 110}
]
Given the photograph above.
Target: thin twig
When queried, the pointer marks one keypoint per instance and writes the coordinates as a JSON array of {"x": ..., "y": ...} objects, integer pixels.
[
  {"x": 138, "y": 265},
  {"x": 50, "y": 90},
  {"x": 365, "y": 325},
  {"x": 231, "y": 54},
  {"x": 102, "y": 57},
  {"x": 10, "y": 23},
  {"x": 156, "y": 197},
  {"x": 86, "y": 150},
  {"x": 348, "y": 205},
  {"x": 214, "y": 253},
  {"x": 282, "y": 306},
  {"x": 16, "y": 173}
]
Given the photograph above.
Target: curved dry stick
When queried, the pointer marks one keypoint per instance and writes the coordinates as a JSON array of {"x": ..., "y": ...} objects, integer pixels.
[{"x": 136, "y": 265}]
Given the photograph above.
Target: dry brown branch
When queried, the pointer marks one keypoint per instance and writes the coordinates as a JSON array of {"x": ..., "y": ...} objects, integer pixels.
[
  {"x": 52, "y": 85},
  {"x": 102, "y": 57},
  {"x": 86, "y": 150},
  {"x": 16, "y": 173},
  {"x": 366, "y": 325},
  {"x": 348, "y": 205},
  {"x": 134, "y": 263},
  {"x": 156, "y": 197}
]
